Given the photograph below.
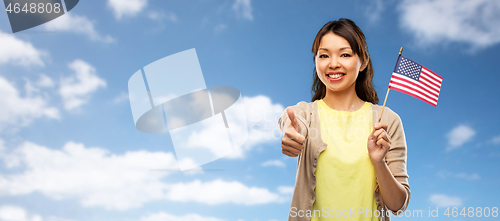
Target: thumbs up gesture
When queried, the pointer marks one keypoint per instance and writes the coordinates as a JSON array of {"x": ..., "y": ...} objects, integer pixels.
[{"x": 292, "y": 142}]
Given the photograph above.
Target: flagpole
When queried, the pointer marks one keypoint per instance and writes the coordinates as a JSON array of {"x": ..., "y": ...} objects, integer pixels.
[{"x": 388, "y": 89}]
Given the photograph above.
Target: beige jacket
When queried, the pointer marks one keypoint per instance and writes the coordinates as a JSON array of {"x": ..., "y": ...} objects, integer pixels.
[{"x": 305, "y": 180}]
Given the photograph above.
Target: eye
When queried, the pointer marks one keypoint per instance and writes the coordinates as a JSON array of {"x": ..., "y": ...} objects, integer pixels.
[
  {"x": 345, "y": 55},
  {"x": 323, "y": 56}
]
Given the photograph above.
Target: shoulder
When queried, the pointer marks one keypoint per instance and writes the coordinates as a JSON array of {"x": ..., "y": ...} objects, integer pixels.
[
  {"x": 305, "y": 105},
  {"x": 389, "y": 115}
]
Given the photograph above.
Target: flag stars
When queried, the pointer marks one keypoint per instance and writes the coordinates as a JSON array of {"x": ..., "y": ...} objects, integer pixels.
[{"x": 409, "y": 68}]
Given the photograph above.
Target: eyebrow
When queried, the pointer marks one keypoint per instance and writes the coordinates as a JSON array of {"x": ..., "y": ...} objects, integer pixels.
[{"x": 325, "y": 49}]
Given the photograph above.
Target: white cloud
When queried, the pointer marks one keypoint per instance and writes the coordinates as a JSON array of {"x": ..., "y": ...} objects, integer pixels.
[
  {"x": 467, "y": 176},
  {"x": 276, "y": 163},
  {"x": 243, "y": 8},
  {"x": 15, "y": 213},
  {"x": 2, "y": 148},
  {"x": 76, "y": 24},
  {"x": 45, "y": 81},
  {"x": 262, "y": 118},
  {"x": 77, "y": 89},
  {"x": 221, "y": 192},
  {"x": 161, "y": 216},
  {"x": 374, "y": 10},
  {"x": 121, "y": 98},
  {"x": 219, "y": 28},
  {"x": 496, "y": 140},
  {"x": 458, "y": 136},
  {"x": 92, "y": 175},
  {"x": 440, "y": 21},
  {"x": 161, "y": 16},
  {"x": 203, "y": 138},
  {"x": 442, "y": 200},
  {"x": 17, "y": 111},
  {"x": 287, "y": 190},
  {"x": 123, "y": 8},
  {"x": 18, "y": 52},
  {"x": 97, "y": 178},
  {"x": 32, "y": 88},
  {"x": 256, "y": 118}
]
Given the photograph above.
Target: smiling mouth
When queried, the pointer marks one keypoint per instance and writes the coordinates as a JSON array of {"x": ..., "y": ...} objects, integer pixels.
[{"x": 335, "y": 77}]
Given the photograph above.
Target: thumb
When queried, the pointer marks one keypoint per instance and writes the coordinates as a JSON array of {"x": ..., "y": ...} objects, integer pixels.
[{"x": 293, "y": 119}]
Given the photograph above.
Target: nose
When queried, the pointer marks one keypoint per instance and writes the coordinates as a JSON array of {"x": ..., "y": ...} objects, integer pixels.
[{"x": 334, "y": 63}]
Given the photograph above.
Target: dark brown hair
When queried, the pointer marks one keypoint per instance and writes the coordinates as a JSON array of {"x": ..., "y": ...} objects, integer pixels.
[{"x": 349, "y": 31}]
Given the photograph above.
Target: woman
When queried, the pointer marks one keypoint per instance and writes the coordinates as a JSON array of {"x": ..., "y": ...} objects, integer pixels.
[{"x": 350, "y": 167}]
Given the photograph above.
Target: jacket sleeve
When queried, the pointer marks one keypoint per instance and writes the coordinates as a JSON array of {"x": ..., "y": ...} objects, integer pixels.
[
  {"x": 396, "y": 156},
  {"x": 302, "y": 113}
]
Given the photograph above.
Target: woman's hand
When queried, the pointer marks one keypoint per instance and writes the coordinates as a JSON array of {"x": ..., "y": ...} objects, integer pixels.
[
  {"x": 292, "y": 142},
  {"x": 379, "y": 143}
]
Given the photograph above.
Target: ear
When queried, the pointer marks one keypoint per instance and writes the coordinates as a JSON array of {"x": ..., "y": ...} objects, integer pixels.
[{"x": 364, "y": 65}]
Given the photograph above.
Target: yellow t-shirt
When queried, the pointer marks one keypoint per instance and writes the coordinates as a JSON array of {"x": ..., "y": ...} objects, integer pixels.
[{"x": 345, "y": 177}]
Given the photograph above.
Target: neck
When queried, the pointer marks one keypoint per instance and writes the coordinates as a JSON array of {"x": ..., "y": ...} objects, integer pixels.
[{"x": 346, "y": 100}]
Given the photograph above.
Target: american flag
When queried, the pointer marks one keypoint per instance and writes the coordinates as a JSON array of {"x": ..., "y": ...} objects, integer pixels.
[{"x": 416, "y": 80}]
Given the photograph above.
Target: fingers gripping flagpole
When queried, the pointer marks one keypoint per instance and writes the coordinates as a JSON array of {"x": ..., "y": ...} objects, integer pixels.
[{"x": 388, "y": 88}]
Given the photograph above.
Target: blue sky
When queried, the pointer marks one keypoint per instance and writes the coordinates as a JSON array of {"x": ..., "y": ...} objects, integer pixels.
[{"x": 69, "y": 149}]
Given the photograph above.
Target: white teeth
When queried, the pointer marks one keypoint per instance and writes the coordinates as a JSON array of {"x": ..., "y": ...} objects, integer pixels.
[{"x": 335, "y": 75}]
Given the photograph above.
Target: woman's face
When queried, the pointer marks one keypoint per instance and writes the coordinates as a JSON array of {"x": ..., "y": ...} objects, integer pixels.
[{"x": 336, "y": 64}]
